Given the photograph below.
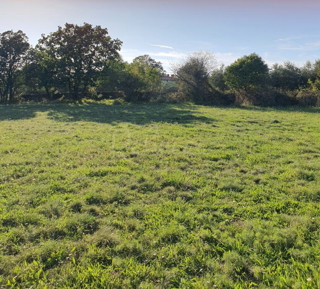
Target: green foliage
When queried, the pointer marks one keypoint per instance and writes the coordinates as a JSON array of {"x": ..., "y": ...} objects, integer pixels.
[
  {"x": 146, "y": 60},
  {"x": 315, "y": 85},
  {"x": 148, "y": 72},
  {"x": 158, "y": 196},
  {"x": 307, "y": 74},
  {"x": 247, "y": 75},
  {"x": 309, "y": 98},
  {"x": 286, "y": 76},
  {"x": 83, "y": 62},
  {"x": 314, "y": 82},
  {"x": 193, "y": 77},
  {"x": 40, "y": 73},
  {"x": 117, "y": 80},
  {"x": 138, "y": 81},
  {"x": 78, "y": 53},
  {"x": 13, "y": 49},
  {"x": 217, "y": 78}
]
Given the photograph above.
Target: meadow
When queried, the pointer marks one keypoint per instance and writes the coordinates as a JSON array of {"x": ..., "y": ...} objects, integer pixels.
[{"x": 96, "y": 195}]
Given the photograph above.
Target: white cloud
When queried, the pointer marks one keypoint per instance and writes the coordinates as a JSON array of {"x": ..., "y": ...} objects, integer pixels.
[
  {"x": 130, "y": 54},
  {"x": 226, "y": 58},
  {"x": 299, "y": 43},
  {"x": 289, "y": 38},
  {"x": 310, "y": 46},
  {"x": 161, "y": 46},
  {"x": 165, "y": 57},
  {"x": 169, "y": 58},
  {"x": 172, "y": 54}
]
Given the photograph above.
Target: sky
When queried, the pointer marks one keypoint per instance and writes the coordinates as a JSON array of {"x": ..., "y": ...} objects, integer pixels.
[{"x": 169, "y": 30}]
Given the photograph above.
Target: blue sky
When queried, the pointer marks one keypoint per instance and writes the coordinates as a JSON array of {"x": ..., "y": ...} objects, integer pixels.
[{"x": 278, "y": 31}]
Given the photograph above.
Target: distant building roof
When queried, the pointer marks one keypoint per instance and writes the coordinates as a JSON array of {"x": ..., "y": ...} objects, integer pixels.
[{"x": 168, "y": 77}]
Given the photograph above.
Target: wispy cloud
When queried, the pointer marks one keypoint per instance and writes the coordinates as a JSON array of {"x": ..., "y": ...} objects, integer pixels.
[
  {"x": 299, "y": 43},
  {"x": 289, "y": 38},
  {"x": 130, "y": 54},
  {"x": 310, "y": 46},
  {"x": 226, "y": 58},
  {"x": 161, "y": 46},
  {"x": 297, "y": 37},
  {"x": 167, "y": 58},
  {"x": 178, "y": 55}
]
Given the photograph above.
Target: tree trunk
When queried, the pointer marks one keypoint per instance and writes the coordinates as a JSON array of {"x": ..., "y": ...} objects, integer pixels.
[
  {"x": 11, "y": 94},
  {"x": 48, "y": 92},
  {"x": 75, "y": 93}
]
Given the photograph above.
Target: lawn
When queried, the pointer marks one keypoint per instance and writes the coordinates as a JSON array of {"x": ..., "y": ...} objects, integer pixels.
[{"x": 159, "y": 196}]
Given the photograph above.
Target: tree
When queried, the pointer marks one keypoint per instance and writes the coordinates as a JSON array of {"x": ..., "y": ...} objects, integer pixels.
[
  {"x": 193, "y": 76},
  {"x": 246, "y": 73},
  {"x": 146, "y": 72},
  {"x": 137, "y": 81},
  {"x": 285, "y": 77},
  {"x": 13, "y": 50},
  {"x": 149, "y": 62},
  {"x": 79, "y": 54},
  {"x": 307, "y": 73},
  {"x": 248, "y": 77},
  {"x": 315, "y": 81},
  {"x": 217, "y": 78},
  {"x": 39, "y": 72},
  {"x": 117, "y": 79}
]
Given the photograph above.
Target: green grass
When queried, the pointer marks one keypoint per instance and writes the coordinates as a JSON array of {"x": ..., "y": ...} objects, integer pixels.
[{"x": 159, "y": 196}]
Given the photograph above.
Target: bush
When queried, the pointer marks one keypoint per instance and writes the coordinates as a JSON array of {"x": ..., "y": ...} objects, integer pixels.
[
  {"x": 266, "y": 97},
  {"x": 255, "y": 96},
  {"x": 283, "y": 99},
  {"x": 286, "y": 76},
  {"x": 172, "y": 97},
  {"x": 223, "y": 98},
  {"x": 119, "y": 101},
  {"x": 308, "y": 98},
  {"x": 247, "y": 73},
  {"x": 193, "y": 77}
]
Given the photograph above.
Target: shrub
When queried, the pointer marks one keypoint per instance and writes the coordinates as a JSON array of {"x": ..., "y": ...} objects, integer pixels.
[
  {"x": 193, "y": 76},
  {"x": 283, "y": 99},
  {"x": 255, "y": 96},
  {"x": 119, "y": 101},
  {"x": 308, "y": 98},
  {"x": 246, "y": 73}
]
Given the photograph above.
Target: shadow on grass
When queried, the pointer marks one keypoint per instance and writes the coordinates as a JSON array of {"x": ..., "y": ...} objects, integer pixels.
[
  {"x": 112, "y": 114},
  {"x": 277, "y": 108},
  {"x": 16, "y": 112},
  {"x": 134, "y": 113}
]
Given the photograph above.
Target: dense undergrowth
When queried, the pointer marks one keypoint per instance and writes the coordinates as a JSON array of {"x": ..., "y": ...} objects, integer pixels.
[{"x": 159, "y": 196}]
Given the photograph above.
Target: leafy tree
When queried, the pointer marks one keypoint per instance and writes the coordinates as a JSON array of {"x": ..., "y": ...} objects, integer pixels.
[
  {"x": 246, "y": 73},
  {"x": 146, "y": 60},
  {"x": 13, "y": 50},
  {"x": 248, "y": 77},
  {"x": 138, "y": 81},
  {"x": 307, "y": 73},
  {"x": 217, "y": 78},
  {"x": 39, "y": 72},
  {"x": 314, "y": 76},
  {"x": 79, "y": 54},
  {"x": 286, "y": 76},
  {"x": 194, "y": 76},
  {"x": 146, "y": 72},
  {"x": 117, "y": 79}
]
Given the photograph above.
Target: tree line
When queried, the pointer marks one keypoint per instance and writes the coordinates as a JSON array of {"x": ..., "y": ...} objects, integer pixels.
[{"x": 78, "y": 62}]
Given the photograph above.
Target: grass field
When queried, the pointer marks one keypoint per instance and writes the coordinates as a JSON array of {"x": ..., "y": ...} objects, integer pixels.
[{"x": 159, "y": 196}]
